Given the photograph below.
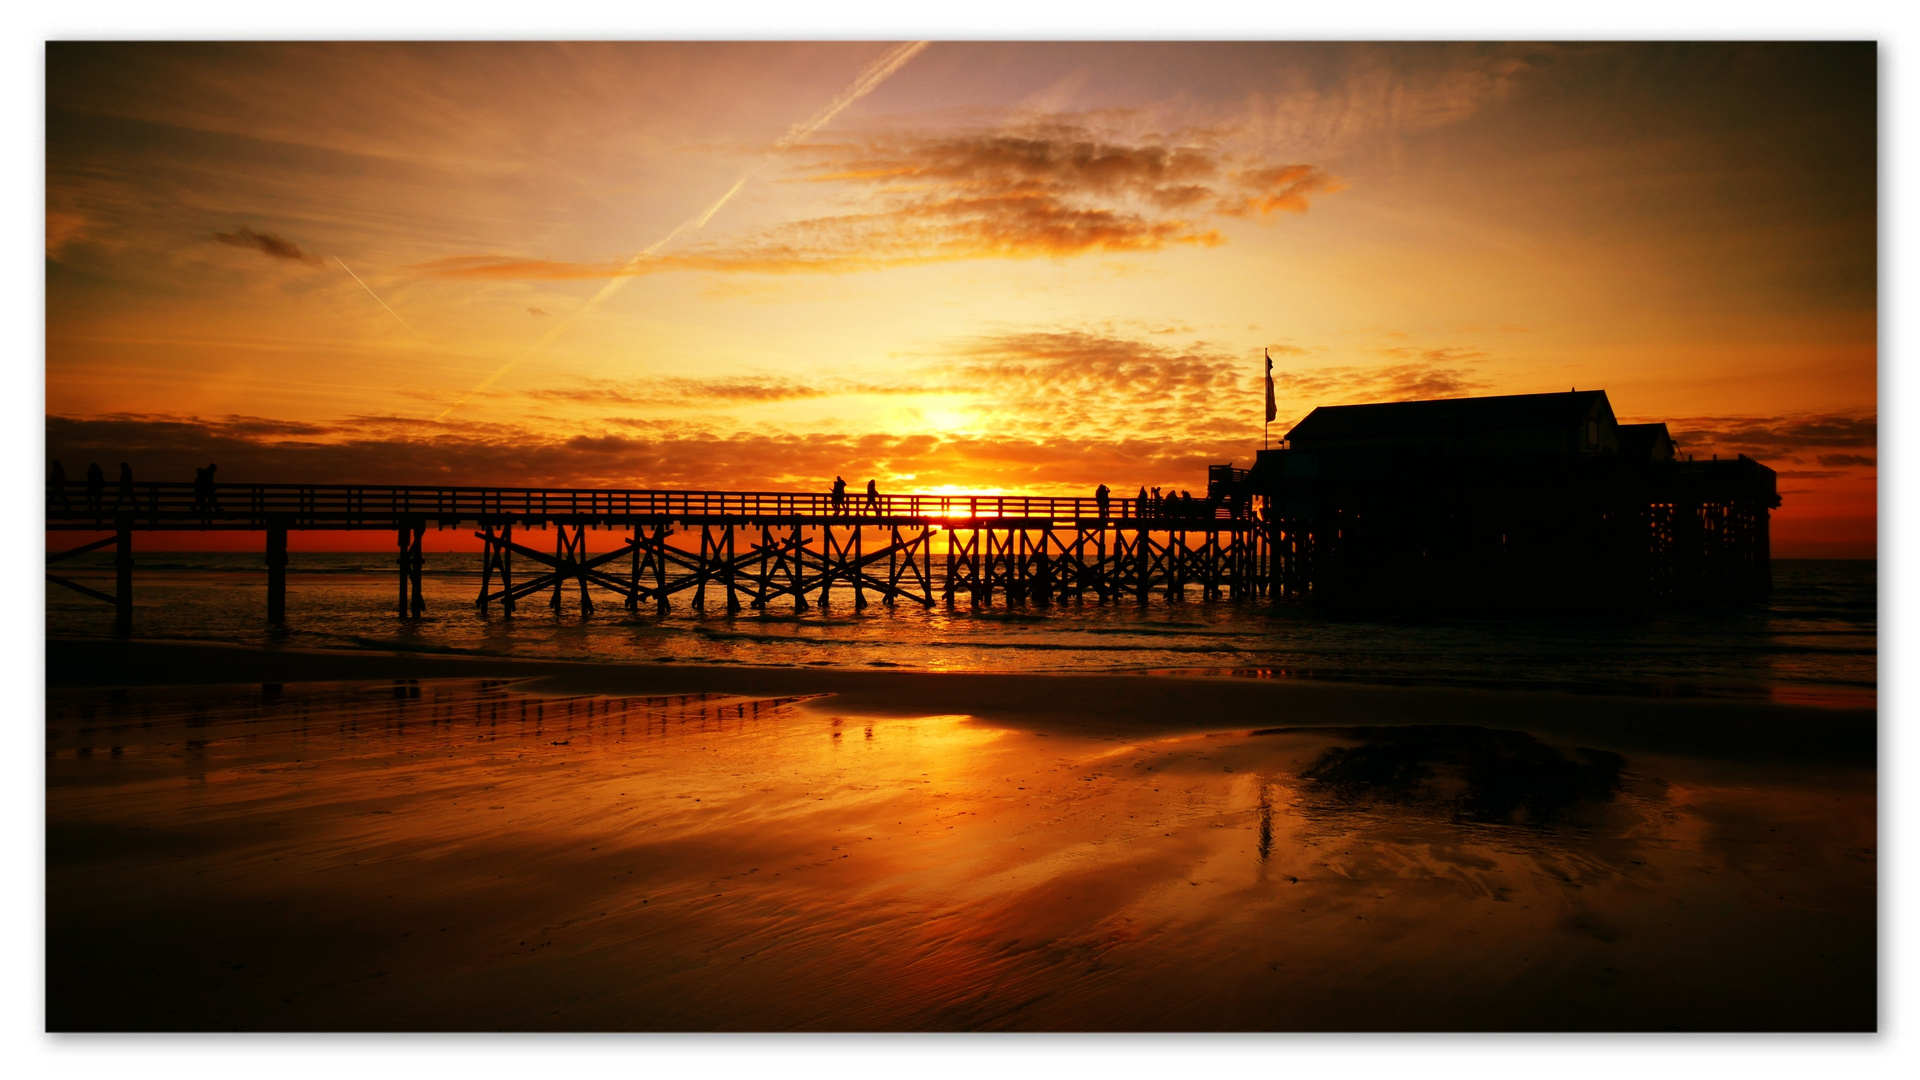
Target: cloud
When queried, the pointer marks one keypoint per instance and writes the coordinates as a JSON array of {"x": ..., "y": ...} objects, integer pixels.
[
  {"x": 1086, "y": 382},
  {"x": 745, "y": 389},
  {"x": 1052, "y": 380},
  {"x": 1841, "y": 461},
  {"x": 1432, "y": 374},
  {"x": 1841, "y": 433},
  {"x": 535, "y": 311},
  {"x": 1057, "y": 189},
  {"x": 377, "y": 450},
  {"x": 1092, "y": 383},
  {"x": 1280, "y": 189},
  {"x": 266, "y": 244}
]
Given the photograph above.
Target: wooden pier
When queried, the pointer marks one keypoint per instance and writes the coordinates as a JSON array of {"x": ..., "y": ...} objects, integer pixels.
[
  {"x": 731, "y": 551},
  {"x": 1524, "y": 501}
]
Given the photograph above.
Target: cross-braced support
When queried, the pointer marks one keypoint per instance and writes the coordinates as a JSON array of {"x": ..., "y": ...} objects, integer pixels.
[
  {"x": 496, "y": 557},
  {"x": 122, "y": 598},
  {"x": 1024, "y": 563},
  {"x": 569, "y": 562},
  {"x": 412, "y": 539}
]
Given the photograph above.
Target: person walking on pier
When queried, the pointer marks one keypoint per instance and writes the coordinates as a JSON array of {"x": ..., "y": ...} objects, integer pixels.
[
  {"x": 1155, "y": 503},
  {"x": 839, "y": 494},
  {"x": 96, "y": 484},
  {"x": 57, "y": 487},
  {"x": 1100, "y": 497},
  {"x": 1140, "y": 503},
  {"x": 125, "y": 492},
  {"x": 873, "y": 496},
  {"x": 203, "y": 498}
]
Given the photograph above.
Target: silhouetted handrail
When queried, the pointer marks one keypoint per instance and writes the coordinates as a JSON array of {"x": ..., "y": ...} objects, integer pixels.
[{"x": 178, "y": 504}]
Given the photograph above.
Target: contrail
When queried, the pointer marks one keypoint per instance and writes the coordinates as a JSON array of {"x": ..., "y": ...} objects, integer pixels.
[
  {"x": 870, "y": 77},
  {"x": 376, "y": 296}
]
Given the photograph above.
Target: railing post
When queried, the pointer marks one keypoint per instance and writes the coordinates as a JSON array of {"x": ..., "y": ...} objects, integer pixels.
[{"x": 123, "y": 575}]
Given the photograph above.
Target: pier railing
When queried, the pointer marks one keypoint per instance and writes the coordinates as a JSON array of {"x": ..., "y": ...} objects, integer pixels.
[{"x": 347, "y": 506}]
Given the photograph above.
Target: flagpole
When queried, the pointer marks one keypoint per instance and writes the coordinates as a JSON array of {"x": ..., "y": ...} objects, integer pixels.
[{"x": 1266, "y": 428}]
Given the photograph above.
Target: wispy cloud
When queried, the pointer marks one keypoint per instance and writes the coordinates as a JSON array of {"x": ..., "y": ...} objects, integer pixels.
[
  {"x": 1433, "y": 373},
  {"x": 267, "y": 244},
  {"x": 1084, "y": 381},
  {"x": 678, "y": 391},
  {"x": 1056, "y": 189}
]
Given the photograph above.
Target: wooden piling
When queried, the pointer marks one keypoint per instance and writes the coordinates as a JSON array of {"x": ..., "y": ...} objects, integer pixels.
[{"x": 277, "y": 572}]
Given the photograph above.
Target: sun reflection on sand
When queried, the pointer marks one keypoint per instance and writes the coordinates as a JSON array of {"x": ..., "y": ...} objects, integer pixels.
[{"x": 479, "y": 854}]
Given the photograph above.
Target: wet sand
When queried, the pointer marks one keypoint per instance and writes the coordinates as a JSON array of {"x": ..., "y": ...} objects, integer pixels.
[{"x": 313, "y": 846}]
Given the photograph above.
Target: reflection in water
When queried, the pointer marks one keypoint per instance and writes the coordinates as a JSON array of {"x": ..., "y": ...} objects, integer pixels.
[
  {"x": 472, "y": 854},
  {"x": 1468, "y": 773}
]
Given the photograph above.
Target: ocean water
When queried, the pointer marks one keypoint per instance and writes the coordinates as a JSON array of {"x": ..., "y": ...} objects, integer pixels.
[{"x": 1813, "y": 641}]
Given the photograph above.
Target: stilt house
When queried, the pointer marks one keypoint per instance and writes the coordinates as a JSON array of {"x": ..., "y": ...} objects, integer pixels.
[{"x": 1518, "y": 501}]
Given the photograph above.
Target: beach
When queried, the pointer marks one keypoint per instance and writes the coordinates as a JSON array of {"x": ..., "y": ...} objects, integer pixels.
[{"x": 276, "y": 839}]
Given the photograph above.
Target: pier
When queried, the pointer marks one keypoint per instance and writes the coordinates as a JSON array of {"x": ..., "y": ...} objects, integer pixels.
[
  {"x": 1529, "y": 501},
  {"x": 732, "y": 551}
]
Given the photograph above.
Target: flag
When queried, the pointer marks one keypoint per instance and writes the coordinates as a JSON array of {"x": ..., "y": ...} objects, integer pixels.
[{"x": 1271, "y": 411}]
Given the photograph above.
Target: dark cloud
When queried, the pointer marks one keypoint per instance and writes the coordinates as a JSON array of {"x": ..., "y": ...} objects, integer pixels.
[
  {"x": 535, "y": 311},
  {"x": 266, "y": 244},
  {"x": 1057, "y": 190},
  {"x": 390, "y": 450},
  {"x": 1790, "y": 437},
  {"x": 1841, "y": 461}
]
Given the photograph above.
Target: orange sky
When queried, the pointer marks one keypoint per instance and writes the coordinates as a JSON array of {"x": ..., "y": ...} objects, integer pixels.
[{"x": 991, "y": 266}]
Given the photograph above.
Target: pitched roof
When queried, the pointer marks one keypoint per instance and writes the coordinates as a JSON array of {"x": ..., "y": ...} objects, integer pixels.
[
  {"x": 1644, "y": 440},
  {"x": 1449, "y": 416}
]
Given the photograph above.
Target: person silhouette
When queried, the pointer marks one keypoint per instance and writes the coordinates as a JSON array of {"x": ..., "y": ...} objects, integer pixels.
[
  {"x": 57, "y": 487},
  {"x": 1140, "y": 503},
  {"x": 208, "y": 502},
  {"x": 873, "y": 496},
  {"x": 1156, "y": 502},
  {"x": 1100, "y": 496},
  {"x": 839, "y": 494},
  {"x": 96, "y": 483},
  {"x": 125, "y": 492}
]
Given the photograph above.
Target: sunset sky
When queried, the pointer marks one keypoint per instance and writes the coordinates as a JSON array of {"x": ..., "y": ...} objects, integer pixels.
[{"x": 994, "y": 266}]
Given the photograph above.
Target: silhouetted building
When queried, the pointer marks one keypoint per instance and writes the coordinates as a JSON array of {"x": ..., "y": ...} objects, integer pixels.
[{"x": 1525, "y": 500}]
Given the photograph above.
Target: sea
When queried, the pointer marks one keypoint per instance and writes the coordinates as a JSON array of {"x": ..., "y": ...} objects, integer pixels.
[{"x": 1812, "y": 642}]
